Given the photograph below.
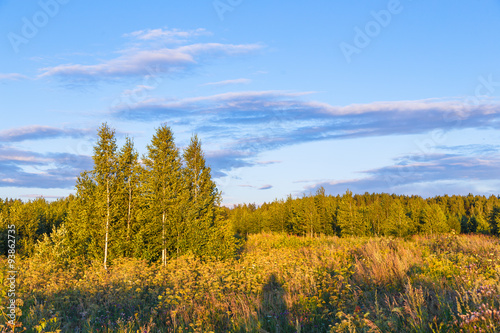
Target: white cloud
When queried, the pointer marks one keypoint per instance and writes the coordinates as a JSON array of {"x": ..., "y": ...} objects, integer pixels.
[
  {"x": 134, "y": 64},
  {"x": 148, "y": 60},
  {"x": 137, "y": 90},
  {"x": 38, "y": 132},
  {"x": 12, "y": 77},
  {"x": 169, "y": 34},
  {"x": 228, "y": 82},
  {"x": 254, "y": 121}
]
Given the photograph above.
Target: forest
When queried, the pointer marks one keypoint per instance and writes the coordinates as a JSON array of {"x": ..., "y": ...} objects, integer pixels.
[
  {"x": 164, "y": 206},
  {"x": 145, "y": 245}
]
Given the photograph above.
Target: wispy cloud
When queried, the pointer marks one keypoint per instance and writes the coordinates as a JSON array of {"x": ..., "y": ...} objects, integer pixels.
[
  {"x": 425, "y": 174},
  {"x": 254, "y": 104},
  {"x": 12, "y": 77},
  {"x": 378, "y": 118},
  {"x": 137, "y": 90},
  {"x": 472, "y": 149},
  {"x": 228, "y": 82},
  {"x": 37, "y": 132},
  {"x": 254, "y": 121},
  {"x": 151, "y": 58},
  {"x": 267, "y": 162},
  {"x": 34, "y": 196},
  {"x": 168, "y": 34},
  {"x": 260, "y": 188},
  {"x": 20, "y": 168},
  {"x": 223, "y": 160}
]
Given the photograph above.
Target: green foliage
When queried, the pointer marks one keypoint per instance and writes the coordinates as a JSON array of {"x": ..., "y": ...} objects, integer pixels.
[
  {"x": 347, "y": 217},
  {"x": 164, "y": 192},
  {"x": 433, "y": 219},
  {"x": 84, "y": 224},
  {"x": 494, "y": 220},
  {"x": 128, "y": 193},
  {"x": 94, "y": 212},
  {"x": 206, "y": 233},
  {"x": 397, "y": 222},
  {"x": 164, "y": 207},
  {"x": 32, "y": 219},
  {"x": 369, "y": 214},
  {"x": 54, "y": 247},
  {"x": 483, "y": 226},
  {"x": 105, "y": 174}
]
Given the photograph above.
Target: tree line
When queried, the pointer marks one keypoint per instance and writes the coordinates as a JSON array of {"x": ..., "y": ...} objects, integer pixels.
[{"x": 370, "y": 215}]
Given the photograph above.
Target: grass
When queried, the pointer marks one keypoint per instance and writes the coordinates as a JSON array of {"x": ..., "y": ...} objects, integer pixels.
[{"x": 445, "y": 283}]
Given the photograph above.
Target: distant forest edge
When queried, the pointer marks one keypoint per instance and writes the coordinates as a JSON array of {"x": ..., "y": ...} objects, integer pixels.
[{"x": 166, "y": 205}]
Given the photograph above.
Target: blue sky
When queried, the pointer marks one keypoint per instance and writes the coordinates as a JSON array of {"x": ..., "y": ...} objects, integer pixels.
[{"x": 377, "y": 96}]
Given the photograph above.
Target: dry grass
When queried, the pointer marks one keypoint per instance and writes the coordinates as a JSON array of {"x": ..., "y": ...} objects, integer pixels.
[{"x": 280, "y": 283}]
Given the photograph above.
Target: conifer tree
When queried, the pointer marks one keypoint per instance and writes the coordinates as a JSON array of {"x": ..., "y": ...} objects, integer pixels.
[
  {"x": 202, "y": 196},
  {"x": 482, "y": 224},
  {"x": 296, "y": 224},
  {"x": 163, "y": 188},
  {"x": 83, "y": 225},
  {"x": 347, "y": 217},
  {"x": 206, "y": 230},
  {"x": 312, "y": 218},
  {"x": 325, "y": 212},
  {"x": 434, "y": 220},
  {"x": 375, "y": 219},
  {"x": 28, "y": 218},
  {"x": 494, "y": 220},
  {"x": 398, "y": 223}
]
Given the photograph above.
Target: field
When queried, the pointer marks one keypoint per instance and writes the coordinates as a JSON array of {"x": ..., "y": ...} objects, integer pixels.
[{"x": 279, "y": 283}]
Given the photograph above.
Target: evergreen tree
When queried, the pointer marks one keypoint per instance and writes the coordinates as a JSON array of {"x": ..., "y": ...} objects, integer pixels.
[
  {"x": 297, "y": 218},
  {"x": 454, "y": 222},
  {"x": 206, "y": 232},
  {"x": 92, "y": 212},
  {"x": 325, "y": 212},
  {"x": 398, "y": 222},
  {"x": 494, "y": 220},
  {"x": 434, "y": 220},
  {"x": 164, "y": 190},
  {"x": 464, "y": 224},
  {"x": 347, "y": 217},
  {"x": 375, "y": 217},
  {"x": 483, "y": 226},
  {"x": 29, "y": 219},
  {"x": 84, "y": 225},
  {"x": 311, "y": 216}
]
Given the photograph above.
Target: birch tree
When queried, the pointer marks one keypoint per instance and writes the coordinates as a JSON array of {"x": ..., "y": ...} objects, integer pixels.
[
  {"x": 104, "y": 175},
  {"x": 128, "y": 178}
]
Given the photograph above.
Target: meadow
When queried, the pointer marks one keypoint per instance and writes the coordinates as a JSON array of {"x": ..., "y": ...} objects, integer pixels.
[{"x": 278, "y": 283}]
